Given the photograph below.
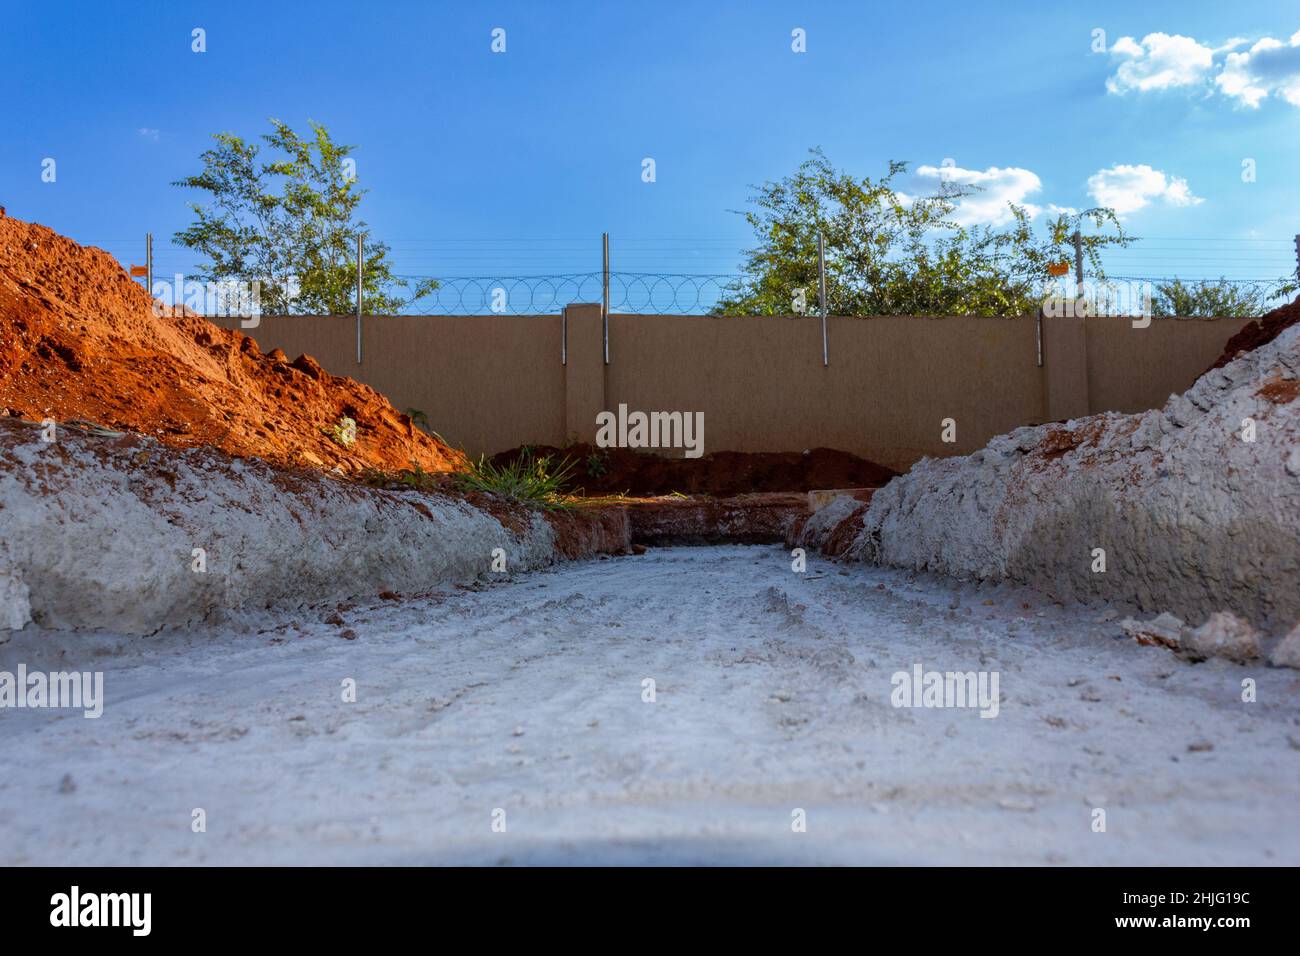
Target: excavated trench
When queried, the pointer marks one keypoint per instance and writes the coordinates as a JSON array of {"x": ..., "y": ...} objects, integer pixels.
[
  {"x": 684, "y": 706},
  {"x": 762, "y": 518}
]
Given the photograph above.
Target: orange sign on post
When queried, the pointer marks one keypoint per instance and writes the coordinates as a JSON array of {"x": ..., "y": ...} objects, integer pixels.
[
  {"x": 139, "y": 272},
  {"x": 1057, "y": 268}
]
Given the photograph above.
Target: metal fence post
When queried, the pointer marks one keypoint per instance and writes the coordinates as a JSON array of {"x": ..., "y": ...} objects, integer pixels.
[
  {"x": 821, "y": 294},
  {"x": 1297, "y": 257},
  {"x": 360, "y": 267},
  {"x": 148, "y": 263},
  {"x": 1038, "y": 334},
  {"x": 1078, "y": 263},
  {"x": 604, "y": 299}
]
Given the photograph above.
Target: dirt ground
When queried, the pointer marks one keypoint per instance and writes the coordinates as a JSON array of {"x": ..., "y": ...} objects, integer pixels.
[{"x": 526, "y": 702}]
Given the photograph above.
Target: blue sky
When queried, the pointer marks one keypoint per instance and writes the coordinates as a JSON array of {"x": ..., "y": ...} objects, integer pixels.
[{"x": 483, "y": 163}]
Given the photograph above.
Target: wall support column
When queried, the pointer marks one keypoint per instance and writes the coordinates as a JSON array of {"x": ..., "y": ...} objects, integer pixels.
[
  {"x": 1065, "y": 368},
  {"x": 584, "y": 373}
]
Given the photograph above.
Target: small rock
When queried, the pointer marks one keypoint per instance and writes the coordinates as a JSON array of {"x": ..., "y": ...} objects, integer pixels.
[
  {"x": 1091, "y": 696},
  {"x": 67, "y": 784},
  {"x": 336, "y": 619},
  {"x": 390, "y": 595},
  {"x": 517, "y": 732},
  {"x": 348, "y": 635},
  {"x": 1164, "y": 630},
  {"x": 1287, "y": 652},
  {"x": 638, "y": 549},
  {"x": 1199, "y": 746},
  {"x": 1223, "y": 635}
]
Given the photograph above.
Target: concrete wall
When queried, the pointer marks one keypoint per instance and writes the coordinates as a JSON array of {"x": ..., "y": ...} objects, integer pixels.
[
  {"x": 891, "y": 380},
  {"x": 1131, "y": 370},
  {"x": 488, "y": 383},
  {"x": 485, "y": 383}
]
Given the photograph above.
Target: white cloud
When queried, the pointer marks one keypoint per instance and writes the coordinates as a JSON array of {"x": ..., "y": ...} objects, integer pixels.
[
  {"x": 1268, "y": 67},
  {"x": 1159, "y": 62},
  {"x": 999, "y": 186},
  {"x": 1130, "y": 188},
  {"x": 147, "y": 133},
  {"x": 1162, "y": 61}
]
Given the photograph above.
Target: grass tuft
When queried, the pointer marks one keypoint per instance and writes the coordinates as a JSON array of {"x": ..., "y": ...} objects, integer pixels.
[{"x": 533, "y": 481}]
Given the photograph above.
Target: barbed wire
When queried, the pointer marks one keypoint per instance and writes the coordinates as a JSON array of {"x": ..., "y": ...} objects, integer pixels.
[
  {"x": 1216, "y": 280},
  {"x": 630, "y": 293},
  {"x": 692, "y": 275},
  {"x": 506, "y": 295}
]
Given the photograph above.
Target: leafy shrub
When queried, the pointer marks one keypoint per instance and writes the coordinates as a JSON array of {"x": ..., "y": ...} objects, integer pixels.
[{"x": 1223, "y": 299}]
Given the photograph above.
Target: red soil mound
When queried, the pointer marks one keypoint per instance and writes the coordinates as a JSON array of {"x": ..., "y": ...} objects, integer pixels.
[
  {"x": 1260, "y": 332},
  {"x": 79, "y": 339},
  {"x": 611, "y": 471}
]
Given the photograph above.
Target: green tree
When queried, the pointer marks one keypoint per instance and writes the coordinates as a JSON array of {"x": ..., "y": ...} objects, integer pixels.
[
  {"x": 890, "y": 255},
  {"x": 289, "y": 221},
  {"x": 1216, "y": 298}
]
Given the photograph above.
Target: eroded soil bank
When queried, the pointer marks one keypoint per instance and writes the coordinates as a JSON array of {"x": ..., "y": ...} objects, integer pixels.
[{"x": 134, "y": 535}]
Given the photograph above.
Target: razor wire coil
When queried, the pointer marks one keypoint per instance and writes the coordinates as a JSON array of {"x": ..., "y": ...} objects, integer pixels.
[{"x": 630, "y": 293}]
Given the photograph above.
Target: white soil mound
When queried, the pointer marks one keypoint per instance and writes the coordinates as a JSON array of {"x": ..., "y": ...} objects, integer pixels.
[
  {"x": 132, "y": 535},
  {"x": 1196, "y": 506}
]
